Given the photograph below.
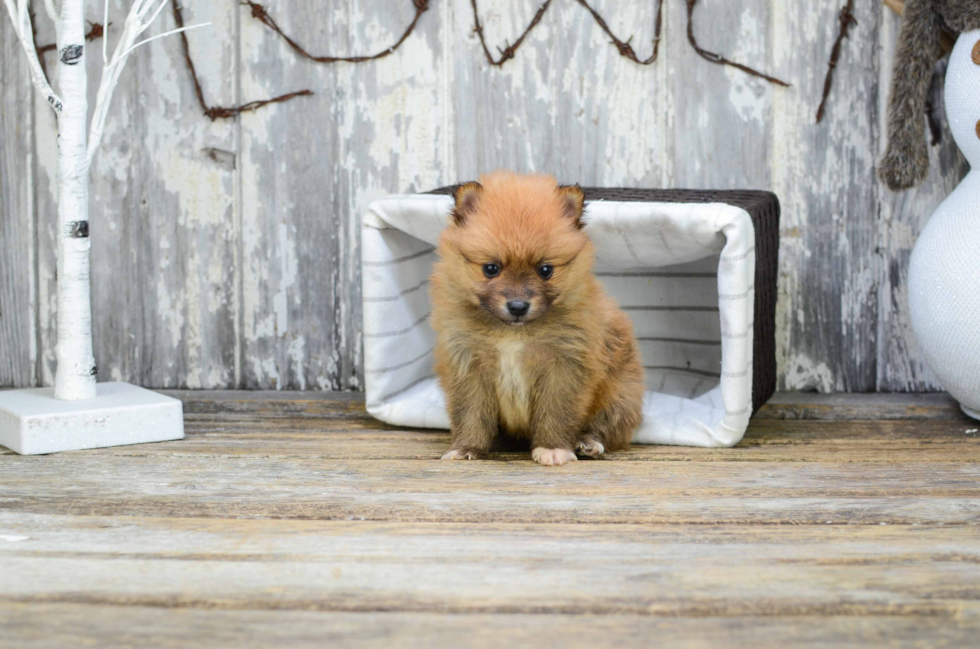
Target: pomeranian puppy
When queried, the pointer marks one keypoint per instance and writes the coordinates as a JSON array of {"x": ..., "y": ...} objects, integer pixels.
[{"x": 528, "y": 343}]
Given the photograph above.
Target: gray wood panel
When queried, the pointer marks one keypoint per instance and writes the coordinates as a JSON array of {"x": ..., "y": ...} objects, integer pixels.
[
  {"x": 610, "y": 114},
  {"x": 17, "y": 308},
  {"x": 187, "y": 205},
  {"x": 226, "y": 254},
  {"x": 722, "y": 117},
  {"x": 294, "y": 194},
  {"x": 824, "y": 176},
  {"x": 504, "y": 117}
]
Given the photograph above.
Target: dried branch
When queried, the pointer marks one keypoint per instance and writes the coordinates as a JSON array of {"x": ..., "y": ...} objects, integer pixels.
[
  {"x": 624, "y": 47},
  {"x": 846, "y": 20},
  {"x": 141, "y": 15},
  {"x": 259, "y": 12},
  {"x": 220, "y": 112},
  {"x": 24, "y": 27},
  {"x": 508, "y": 52},
  {"x": 718, "y": 58}
]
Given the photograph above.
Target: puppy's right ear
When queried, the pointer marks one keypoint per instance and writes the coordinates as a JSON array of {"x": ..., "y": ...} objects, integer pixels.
[{"x": 467, "y": 198}]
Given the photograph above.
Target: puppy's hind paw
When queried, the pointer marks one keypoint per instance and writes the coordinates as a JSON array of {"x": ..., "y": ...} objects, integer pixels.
[
  {"x": 552, "y": 456},
  {"x": 590, "y": 447},
  {"x": 464, "y": 454}
]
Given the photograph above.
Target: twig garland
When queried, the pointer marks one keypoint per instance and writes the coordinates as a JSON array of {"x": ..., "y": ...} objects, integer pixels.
[
  {"x": 508, "y": 52},
  {"x": 259, "y": 13},
  {"x": 624, "y": 47},
  {"x": 846, "y": 20},
  {"x": 718, "y": 58},
  {"x": 220, "y": 112}
]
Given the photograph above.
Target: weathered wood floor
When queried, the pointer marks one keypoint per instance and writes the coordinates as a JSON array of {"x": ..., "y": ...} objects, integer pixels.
[{"x": 294, "y": 519}]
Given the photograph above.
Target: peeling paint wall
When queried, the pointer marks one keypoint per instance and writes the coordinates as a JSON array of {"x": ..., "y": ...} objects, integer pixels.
[{"x": 225, "y": 254}]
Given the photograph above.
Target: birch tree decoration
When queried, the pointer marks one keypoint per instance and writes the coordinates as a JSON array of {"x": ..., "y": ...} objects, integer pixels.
[{"x": 78, "y": 142}]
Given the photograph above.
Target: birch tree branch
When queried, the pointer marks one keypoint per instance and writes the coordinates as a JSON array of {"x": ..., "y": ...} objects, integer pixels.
[
  {"x": 25, "y": 32},
  {"x": 136, "y": 23},
  {"x": 51, "y": 10}
]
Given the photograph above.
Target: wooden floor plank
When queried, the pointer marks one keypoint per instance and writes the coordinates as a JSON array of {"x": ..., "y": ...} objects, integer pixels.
[
  {"x": 56, "y": 626},
  {"x": 296, "y": 519},
  {"x": 862, "y": 406},
  {"x": 895, "y": 442},
  {"x": 792, "y": 405},
  {"x": 673, "y": 570},
  {"x": 520, "y": 491},
  {"x": 767, "y": 440}
]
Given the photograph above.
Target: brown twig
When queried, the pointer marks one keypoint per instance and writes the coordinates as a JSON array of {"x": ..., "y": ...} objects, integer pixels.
[
  {"x": 846, "y": 20},
  {"x": 624, "y": 47},
  {"x": 259, "y": 12},
  {"x": 718, "y": 58},
  {"x": 507, "y": 53},
  {"x": 219, "y": 112}
]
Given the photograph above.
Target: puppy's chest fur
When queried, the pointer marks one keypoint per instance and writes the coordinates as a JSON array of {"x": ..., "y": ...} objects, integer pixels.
[{"x": 513, "y": 394}]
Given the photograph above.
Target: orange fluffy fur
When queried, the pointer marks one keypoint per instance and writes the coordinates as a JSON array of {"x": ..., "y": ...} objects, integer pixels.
[{"x": 528, "y": 342}]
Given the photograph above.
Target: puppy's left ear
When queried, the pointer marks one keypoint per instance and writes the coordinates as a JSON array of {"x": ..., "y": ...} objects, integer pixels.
[
  {"x": 467, "y": 198},
  {"x": 573, "y": 202}
]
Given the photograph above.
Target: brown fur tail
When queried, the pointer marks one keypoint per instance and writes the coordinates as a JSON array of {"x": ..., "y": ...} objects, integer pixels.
[{"x": 906, "y": 160}]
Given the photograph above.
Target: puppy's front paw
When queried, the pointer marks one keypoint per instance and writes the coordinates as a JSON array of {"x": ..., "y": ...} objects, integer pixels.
[
  {"x": 464, "y": 454},
  {"x": 552, "y": 456},
  {"x": 590, "y": 447}
]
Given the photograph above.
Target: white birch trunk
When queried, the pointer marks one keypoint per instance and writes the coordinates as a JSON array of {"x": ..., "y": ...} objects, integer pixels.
[{"x": 75, "y": 376}]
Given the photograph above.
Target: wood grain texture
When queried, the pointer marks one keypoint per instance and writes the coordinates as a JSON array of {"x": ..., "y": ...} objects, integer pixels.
[
  {"x": 17, "y": 267},
  {"x": 56, "y": 626},
  {"x": 293, "y": 192},
  {"x": 496, "y": 568},
  {"x": 186, "y": 255},
  {"x": 292, "y": 519},
  {"x": 722, "y": 118},
  {"x": 824, "y": 176},
  {"x": 226, "y": 254}
]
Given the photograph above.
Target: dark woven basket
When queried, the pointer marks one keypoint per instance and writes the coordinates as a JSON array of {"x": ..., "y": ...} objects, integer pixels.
[{"x": 763, "y": 207}]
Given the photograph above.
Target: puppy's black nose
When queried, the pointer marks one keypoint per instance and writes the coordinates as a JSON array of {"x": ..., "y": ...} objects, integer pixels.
[{"x": 518, "y": 307}]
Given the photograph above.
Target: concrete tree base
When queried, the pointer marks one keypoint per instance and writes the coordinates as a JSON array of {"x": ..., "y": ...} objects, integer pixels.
[{"x": 32, "y": 421}]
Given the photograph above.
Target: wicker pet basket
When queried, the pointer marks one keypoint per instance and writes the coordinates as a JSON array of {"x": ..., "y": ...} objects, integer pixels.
[{"x": 684, "y": 265}]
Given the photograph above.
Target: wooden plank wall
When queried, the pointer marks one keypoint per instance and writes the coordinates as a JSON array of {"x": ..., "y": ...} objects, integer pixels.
[
  {"x": 17, "y": 264},
  {"x": 225, "y": 254}
]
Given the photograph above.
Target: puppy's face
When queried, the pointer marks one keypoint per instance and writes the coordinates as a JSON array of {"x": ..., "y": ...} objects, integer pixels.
[{"x": 515, "y": 247}]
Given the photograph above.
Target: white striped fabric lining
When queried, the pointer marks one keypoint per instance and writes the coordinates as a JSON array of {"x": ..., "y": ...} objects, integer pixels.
[{"x": 684, "y": 273}]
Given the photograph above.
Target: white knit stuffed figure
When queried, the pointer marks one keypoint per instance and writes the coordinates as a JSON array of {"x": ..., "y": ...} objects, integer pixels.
[{"x": 944, "y": 274}]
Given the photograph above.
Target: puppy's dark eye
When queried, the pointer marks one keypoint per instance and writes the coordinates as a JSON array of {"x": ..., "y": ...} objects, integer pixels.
[
  {"x": 545, "y": 270},
  {"x": 491, "y": 270}
]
